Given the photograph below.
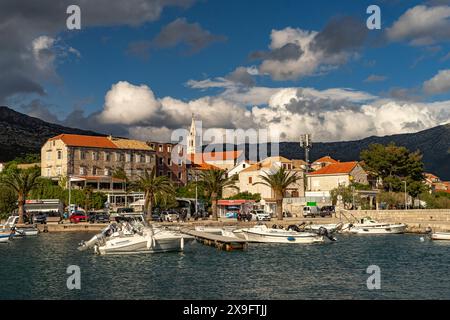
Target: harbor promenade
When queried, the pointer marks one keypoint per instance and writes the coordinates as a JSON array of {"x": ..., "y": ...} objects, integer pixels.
[{"x": 417, "y": 220}]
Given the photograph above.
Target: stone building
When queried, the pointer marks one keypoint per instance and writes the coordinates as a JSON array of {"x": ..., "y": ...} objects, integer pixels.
[
  {"x": 92, "y": 160},
  {"x": 166, "y": 165}
]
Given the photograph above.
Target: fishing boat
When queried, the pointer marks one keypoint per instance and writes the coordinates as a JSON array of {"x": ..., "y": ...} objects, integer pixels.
[
  {"x": 370, "y": 226},
  {"x": 134, "y": 236},
  {"x": 440, "y": 236},
  {"x": 20, "y": 230}
]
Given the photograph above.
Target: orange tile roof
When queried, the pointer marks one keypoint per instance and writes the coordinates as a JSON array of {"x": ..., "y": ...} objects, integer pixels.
[
  {"x": 76, "y": 140},
  {"x": 327, "y": 159},
  {"x": 204, "y": 166},
  {"x": 215, "y": 156},
  {"x": 337, "y": 168}
]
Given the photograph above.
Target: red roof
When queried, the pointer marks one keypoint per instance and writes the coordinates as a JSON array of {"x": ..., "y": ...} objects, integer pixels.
[
  {"x": 204, "y": 166},
  {"x": 75, "y": 140},
  {"x": 326, "y": 159},
  {"x": 337, "y": 168}
]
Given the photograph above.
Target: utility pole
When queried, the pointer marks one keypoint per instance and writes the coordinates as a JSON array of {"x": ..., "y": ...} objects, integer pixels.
[{"x": 70, "y": 194}]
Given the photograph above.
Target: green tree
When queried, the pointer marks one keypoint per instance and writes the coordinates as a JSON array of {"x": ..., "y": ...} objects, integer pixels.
[
  {"x": 8, "y": 202},
  {"x": 279, "y": 181},
  {"x": 21, "y": 182},
  {"x": 154, "y": 187},
  {"x": 393, "y": 165},
  {"x": 246, "y": 196},
  {"x": 213, "y": 182}
]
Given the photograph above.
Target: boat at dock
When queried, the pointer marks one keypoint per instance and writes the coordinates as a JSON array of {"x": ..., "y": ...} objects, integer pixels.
[
  {"x": 370, "y": 226},
  {"x": 6, "y": 235},
  {"x": 261, "y": 233},
  {"x": 440, "y": 236},
  {"x": 132, "y": 235},
  {"x": 20, "y": 230}
]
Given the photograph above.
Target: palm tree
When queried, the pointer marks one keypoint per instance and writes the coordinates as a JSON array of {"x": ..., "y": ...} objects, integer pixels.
[
  {"x": 279, "y": 181},
  {"x": 21, "y": 182},
  {"x": 214, "y": 181},
  {"x": 154, "y": 187}
]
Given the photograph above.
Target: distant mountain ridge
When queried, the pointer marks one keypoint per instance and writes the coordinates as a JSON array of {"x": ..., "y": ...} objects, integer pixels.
[{"x": 21, "y": 134}]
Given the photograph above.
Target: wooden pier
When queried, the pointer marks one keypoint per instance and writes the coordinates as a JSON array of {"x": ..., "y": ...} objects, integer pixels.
[{"x": 218, "y": 241}]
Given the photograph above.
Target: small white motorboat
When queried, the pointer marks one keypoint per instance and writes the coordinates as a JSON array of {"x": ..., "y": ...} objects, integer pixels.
[
  {"x": 370, "y": 226},
  {"x": 440, "y": 236},
  {"x": 260, "y": 233},
  {"x": 132, "y": 236},
  {"x": 20, "y": 231},
  {"x": 213, "y": 230},
  {"x": 6, "y": 235}
]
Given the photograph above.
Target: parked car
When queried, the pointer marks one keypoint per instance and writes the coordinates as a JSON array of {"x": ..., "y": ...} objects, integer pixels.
[
  {"x": 96, "y": 217},
  {"x": 327, "y": 211},
  {"x": 170, "y": 215},
  {"x": 260, "y": 215},
  {"x": 157, "y": 217},
  {"x": 40, "y": 218},
  {"x": 77, "y": 217},
  {"x": 311, "y": 211},
  {"x": 231, "y": 215}
]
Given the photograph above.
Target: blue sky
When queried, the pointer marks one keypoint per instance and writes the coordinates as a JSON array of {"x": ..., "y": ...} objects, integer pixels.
[{"x": 81, "y": 67}]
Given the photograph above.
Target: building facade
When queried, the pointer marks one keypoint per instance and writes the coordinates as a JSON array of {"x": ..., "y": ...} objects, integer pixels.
[
  {"x": 335, "y": 175},
  {"x": 166, "y": 165},
  {"x": 91, "y": 160}
]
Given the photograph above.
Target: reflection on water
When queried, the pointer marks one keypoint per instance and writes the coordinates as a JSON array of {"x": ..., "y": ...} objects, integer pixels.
[{"x": 35, "y": 268}]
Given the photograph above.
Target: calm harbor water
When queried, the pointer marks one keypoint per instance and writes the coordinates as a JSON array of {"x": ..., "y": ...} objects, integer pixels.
[{"x": 35, "y": 268}]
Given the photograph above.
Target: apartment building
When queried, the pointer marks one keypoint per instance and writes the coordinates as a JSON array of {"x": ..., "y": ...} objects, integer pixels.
[{"x": 167, "y": 166}]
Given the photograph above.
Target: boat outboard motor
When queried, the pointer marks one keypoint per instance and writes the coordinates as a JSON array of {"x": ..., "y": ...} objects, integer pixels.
[{"x": 83, "y": 245}]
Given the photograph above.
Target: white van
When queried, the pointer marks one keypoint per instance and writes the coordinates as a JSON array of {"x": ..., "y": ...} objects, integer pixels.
[{"x": 311, "y": 211}]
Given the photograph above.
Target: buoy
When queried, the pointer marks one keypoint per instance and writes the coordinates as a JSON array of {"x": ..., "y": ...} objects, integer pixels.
[{"x": 422, "y": 239}]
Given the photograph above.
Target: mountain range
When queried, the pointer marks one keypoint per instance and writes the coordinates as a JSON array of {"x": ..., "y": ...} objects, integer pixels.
[{"x": 21, "y": 134}]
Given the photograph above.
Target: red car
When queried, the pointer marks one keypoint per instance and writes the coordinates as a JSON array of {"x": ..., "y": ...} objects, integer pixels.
[{"x": 78, "y": 217}]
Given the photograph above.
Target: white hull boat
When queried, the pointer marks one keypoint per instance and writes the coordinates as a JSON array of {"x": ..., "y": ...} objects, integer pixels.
[
  {"x": 261, "y": 233},
  {"x": 213, "y": 230},
  {"x": 440, "y": 236},
  {"x": 22, "y": 231},
  {"x": 5, "y": 236},
  {"x": 135, "y": 237},
  {"x": 369, "y": 226}
]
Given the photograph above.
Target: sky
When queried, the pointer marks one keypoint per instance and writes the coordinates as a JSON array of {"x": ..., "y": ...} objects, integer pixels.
[{"x": 141, "y": 68}]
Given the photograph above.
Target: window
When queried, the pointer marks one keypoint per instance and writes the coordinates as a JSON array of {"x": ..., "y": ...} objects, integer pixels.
[
  {"x": 139, "y": 172},
  {"x": 59, "y": 153},
  {"x": 142, "y": 158},
  {"x": 53, "y": 143},
  {"x": 58, "y": 171},
  {"x": 49, "y": 155},
  {"x": 169, "y": 148},
  {"x": 160, "y": 148},
  {"x": 82, "y": 171},
  {"x": 147, "y": 159},
  {"x": 106, "y": 172},
  {"x": 94, "y": 156},
  {"x": 161, "y": 161},
  {"x": 82, "y": 155},
  {"x": 180, "y": 175},
  {"x": 128, "y": 172},
  {"x": 107, "y": 156},
  {"x": 169, "y": 161},
  {"x": 49, "y": 172},
  {"x": 127, "y": 157},
  {"x": 250, "y": 180},
  {"x": 94, "y": 171}
]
